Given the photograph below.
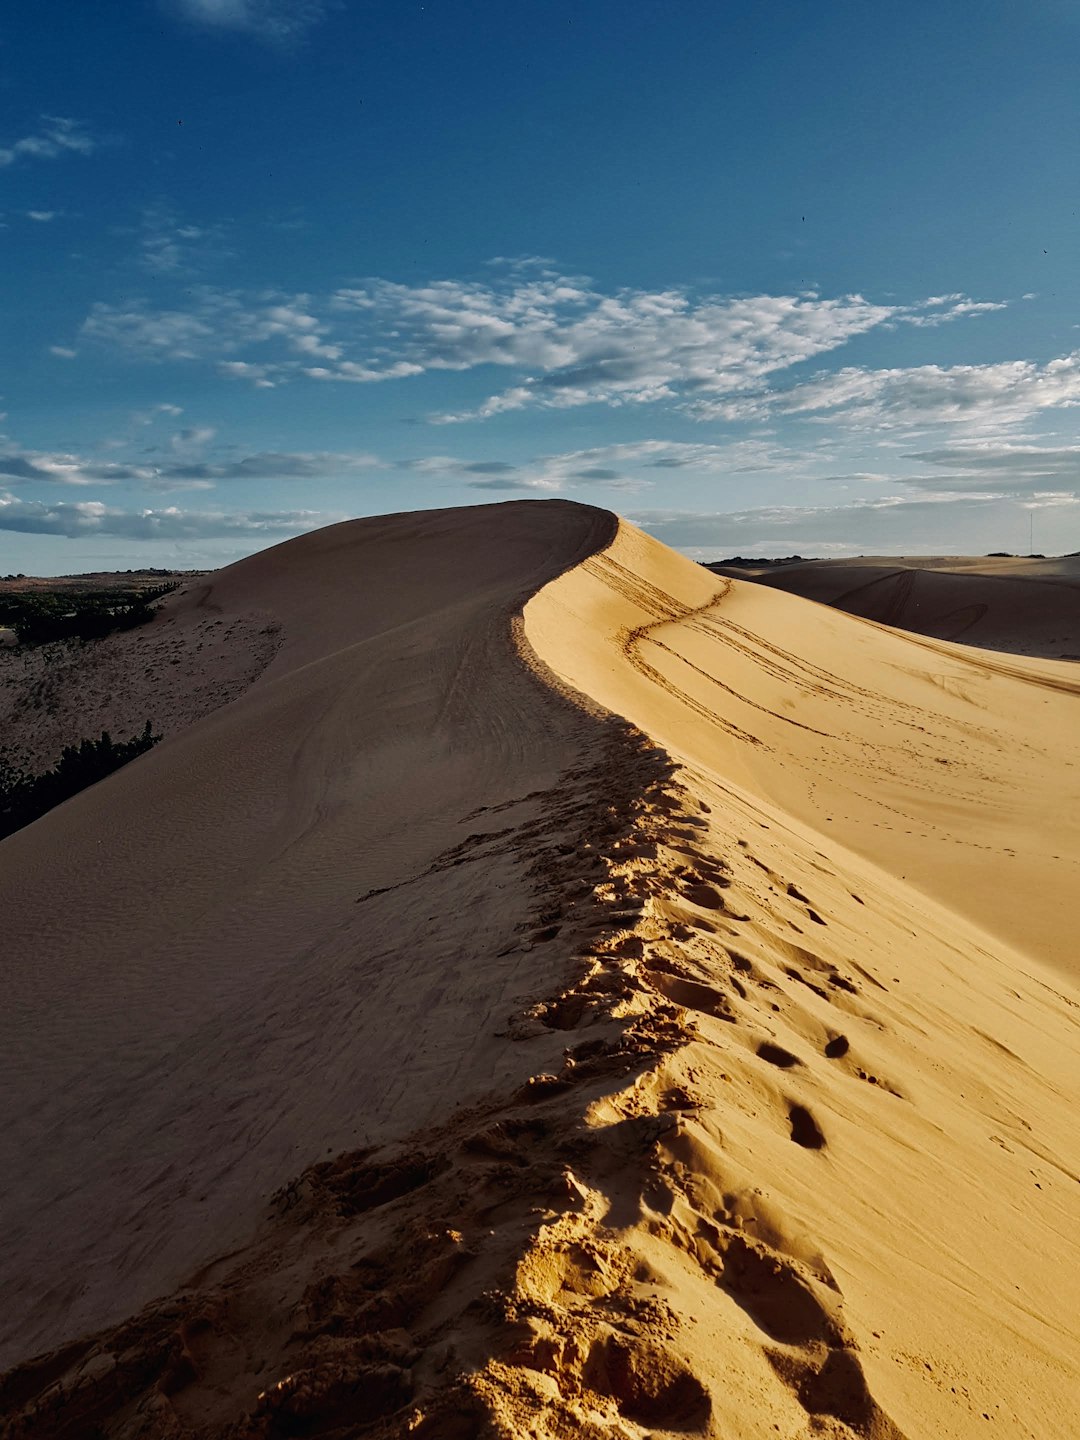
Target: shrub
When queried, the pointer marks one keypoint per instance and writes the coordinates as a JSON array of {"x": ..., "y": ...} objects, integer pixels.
[{"x": 25, "y": 798}]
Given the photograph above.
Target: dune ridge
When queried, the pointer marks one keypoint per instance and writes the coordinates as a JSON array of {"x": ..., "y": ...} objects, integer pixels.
[{"x": 759, "y": 1138}]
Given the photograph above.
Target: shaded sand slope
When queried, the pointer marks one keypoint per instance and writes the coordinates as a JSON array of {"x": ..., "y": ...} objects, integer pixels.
[
  {"x": 753, "y": 1137},
  {"x": 1028, "y": 606},
  {"x": 195, "y": 1002}
]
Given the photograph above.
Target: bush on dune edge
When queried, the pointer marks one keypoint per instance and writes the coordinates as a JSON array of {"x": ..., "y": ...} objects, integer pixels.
[{"x": 25, "y": 798}]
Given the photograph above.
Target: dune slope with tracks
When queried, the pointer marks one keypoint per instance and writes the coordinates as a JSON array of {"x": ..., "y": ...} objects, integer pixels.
[{"x": 663, "y": 980}]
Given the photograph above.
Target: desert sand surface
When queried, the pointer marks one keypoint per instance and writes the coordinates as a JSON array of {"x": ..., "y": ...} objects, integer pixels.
[
  {"x": 1027, "y": 605},
  {"x": 568, "y": 993}
]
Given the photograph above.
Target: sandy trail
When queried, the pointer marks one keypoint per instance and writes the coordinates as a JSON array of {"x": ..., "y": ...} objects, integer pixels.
[{"x": 669, "y": 1106}]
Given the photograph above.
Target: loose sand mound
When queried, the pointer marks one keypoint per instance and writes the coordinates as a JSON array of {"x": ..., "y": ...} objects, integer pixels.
[
  {"x": 652, "y": 1098},
  {"x": 1027, "y": 606}
]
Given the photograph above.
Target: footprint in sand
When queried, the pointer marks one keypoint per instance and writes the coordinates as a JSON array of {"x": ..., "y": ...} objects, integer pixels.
[{"x": 804, "y": 1128}]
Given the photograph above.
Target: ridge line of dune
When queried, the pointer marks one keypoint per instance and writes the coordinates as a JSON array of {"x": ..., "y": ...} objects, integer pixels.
[{"x": 649, "y": 1237}]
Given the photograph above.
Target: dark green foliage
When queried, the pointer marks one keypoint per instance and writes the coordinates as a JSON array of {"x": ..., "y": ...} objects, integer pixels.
[
  {"x": 24, "y": 798},
  {"x": 38, "y": 617}
]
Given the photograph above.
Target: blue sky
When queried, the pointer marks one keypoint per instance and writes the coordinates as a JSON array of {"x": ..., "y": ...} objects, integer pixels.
[{"x": 763, "y": 278}]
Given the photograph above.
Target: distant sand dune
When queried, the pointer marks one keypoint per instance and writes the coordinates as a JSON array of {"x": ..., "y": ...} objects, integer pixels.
[
  {"x": 652, "y": 1013},
  {"x": 1029, "y": 606}
]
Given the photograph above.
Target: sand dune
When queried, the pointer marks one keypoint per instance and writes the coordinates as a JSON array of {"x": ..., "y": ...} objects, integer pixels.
[
  {"x": 652, "y": 1013},
  {"x": 1030, "y": 606}
]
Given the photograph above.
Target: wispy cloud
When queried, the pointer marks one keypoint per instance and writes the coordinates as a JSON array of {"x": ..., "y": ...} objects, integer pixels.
[
  {"x": 567, "y": 343},
  {"x": 997, "y": 467},
  {"x": 574, "y": 345},
  {"x": 169, "y": 247},
  {"x": 55, "y": 135},
  {"x": 631, "y": 466},
  {"x": 215, "y": 325},
  {"x": 92, "y": 517},
  {"x": 992, "y": 395},
  {"x": 887, "y": 524},
  {"x": 186, "y": 472},
  {"x": 517, "y": 483},
  {"x": 275, "y": 21}
]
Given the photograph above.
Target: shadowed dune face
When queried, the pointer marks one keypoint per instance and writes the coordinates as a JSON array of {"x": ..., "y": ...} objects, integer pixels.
[
  {"x": 1026, "y": 606},
  {"x": 665, "y": 1104},
  {"x": 189, "y": 969}
]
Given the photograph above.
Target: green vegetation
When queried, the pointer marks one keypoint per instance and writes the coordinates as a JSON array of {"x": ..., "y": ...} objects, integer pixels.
[
  {"x": 24, "y": 798},
  {"x": 40, "y": 616}
]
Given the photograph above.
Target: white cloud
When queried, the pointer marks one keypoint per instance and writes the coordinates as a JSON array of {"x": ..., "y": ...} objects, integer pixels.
[
  {"x": 62, "y": 352},
  {"x": 630, "y": 466},
  {"x": 1015, "y": 468},
  {"x": 152, "y": 334},
  {"x": 942, "y": 308},
  {"x": 242, "y": 370},
  {"x": 56, "y": 135},
  {"x": 515, "y": 483},
  {"x": 568, "y": 343},
  {"x": 575, "y": 345},
  {"x": 92, "y": 517},
  {"x": 215, "y": 325},
  {"x": 42, "y": 216},
  {"x": 277, "y": 21},
  {"x": 193, "y": 437},
  {"x": 988, "y": 396},
  {"x": 168, "y": 246}
]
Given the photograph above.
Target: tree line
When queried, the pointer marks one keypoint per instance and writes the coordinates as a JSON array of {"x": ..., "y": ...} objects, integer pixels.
[
  {"x": 25, "y": 798},
  {"x": 38, "y": 617}
]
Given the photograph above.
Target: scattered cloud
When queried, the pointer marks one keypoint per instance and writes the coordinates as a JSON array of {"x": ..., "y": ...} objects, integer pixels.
[
  {"x": 215, "y": 325},
  {"x": 275, "y": 21},
  {"x": 169, "y": 247},
  {"x": 63, "y": 352},
  {"x": 258, "y": 375},
  {"x": 993, "y": 395},
  {"x": 42, "y": 216},
  {"x": 92, "y": 517},
  {"x": 574, "y": 345},
  {"x": 193, "y": 437},
  {"x": 999, "y": 468},
  {"x": 888, "y": 524},
  {"x": 568, "y": 343},
  {"x": 185, "y": 473},
  {"x": 624, "y": 466},
  {"x": 56, "y": 135},
  {"x": 517, "y": 482}
]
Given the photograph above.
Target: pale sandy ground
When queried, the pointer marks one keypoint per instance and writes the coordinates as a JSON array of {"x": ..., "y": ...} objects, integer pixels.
[
  {"x": 682, "y": 977},
  {"x": 1027, "y": 605}
]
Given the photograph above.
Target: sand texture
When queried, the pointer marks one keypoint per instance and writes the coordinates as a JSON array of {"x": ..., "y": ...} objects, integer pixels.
[
  {"x": 567, "y": 993},
  {"x": 1030, "y": 606}
]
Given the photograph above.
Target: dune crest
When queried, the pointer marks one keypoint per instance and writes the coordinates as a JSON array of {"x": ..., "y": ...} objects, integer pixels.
[{"x": 683, "y": 1112}]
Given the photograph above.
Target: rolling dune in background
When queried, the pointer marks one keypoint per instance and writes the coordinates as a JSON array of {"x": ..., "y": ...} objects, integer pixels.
[
  {"x": 567, "y": 994},
  {"x": 1028, "y": 605}
]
